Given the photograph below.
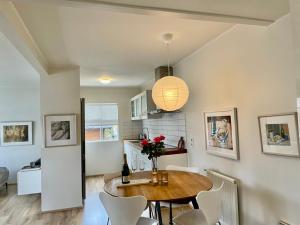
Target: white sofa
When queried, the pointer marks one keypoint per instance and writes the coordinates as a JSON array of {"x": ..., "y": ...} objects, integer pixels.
[{"x": 4, "y": 173}]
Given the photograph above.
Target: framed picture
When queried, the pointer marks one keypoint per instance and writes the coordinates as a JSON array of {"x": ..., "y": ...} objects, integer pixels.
[
  {"x": 281, "y": 222},
  {"x": 16, "y": 133},
  {"x": 279, "y": 134},
  {"x": 222, "y": 133},
  {"x": 60, "y": 130}
]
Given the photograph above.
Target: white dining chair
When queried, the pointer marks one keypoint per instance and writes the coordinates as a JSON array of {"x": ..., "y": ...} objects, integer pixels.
[
  {"x": 126, "y": 211},
  {"x": 109, "y": 176},
  {"x": 177, "y": 204},
  {"x": 183, "y": 168},
  {"x": 209, "y": 211}
]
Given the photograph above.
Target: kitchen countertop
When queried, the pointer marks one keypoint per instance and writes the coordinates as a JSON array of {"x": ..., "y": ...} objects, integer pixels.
[{"x": 169, "y": 149}]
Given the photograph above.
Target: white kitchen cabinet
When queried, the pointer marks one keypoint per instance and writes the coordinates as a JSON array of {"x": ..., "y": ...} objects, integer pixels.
[
  {"x": 135, "y": 156},
  {"x": 128, "y": 152},
  {"x": 146, "y": 161},
  {"x": 29, "y": 181},
  {"x": 141, "y": 106},
  {"x": 136, "y": 108},
  {"x": 144, "y": 107},
  {"x": 133, "y": 109},
  {"x": 134, "y": 152}
]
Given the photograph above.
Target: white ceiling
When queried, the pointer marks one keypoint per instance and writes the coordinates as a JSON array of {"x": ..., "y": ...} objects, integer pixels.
[
  {"x": 125, "y": 46},
  {"x": 22, "y": 75}
]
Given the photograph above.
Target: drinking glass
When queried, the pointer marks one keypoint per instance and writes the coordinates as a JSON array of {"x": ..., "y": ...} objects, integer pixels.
[
  {"x": 134, "y": 165},
  {"x": 142, "y": 164},
  {"x": 154, "y": 178},
  {"x": 164, "y": 178}
]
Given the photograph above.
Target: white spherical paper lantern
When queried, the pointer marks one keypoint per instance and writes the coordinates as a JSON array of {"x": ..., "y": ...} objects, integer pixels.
[{"x": 170, "y": 93}]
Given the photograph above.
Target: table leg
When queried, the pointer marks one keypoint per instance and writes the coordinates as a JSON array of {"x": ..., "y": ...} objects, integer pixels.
[
  {"x": 158, "y": 210},
  {"x": 195, "y": 204},
  {"x": 171, "y": 214}
]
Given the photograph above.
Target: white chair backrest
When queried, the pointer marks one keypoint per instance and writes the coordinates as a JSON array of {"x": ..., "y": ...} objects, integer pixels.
[
  {"x": 182, "y": 168},
  {"x": 123, "y": 211},
  {"x": 109, "y": 176},
  {"x": 210, "y": 202}
]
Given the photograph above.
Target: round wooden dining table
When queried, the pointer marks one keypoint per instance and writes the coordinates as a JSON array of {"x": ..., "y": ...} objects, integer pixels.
[{"x": 181, "y": 187}]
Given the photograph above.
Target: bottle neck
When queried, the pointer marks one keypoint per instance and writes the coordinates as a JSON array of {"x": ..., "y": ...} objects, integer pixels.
[{"x": 125, "y": 159}]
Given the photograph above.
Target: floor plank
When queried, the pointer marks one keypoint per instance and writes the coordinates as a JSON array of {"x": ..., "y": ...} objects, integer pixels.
[{"x": 25, "y": 210}]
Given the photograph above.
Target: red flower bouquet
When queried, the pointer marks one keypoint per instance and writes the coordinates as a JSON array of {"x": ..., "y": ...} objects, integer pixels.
[{"x": 153, "y": 149}]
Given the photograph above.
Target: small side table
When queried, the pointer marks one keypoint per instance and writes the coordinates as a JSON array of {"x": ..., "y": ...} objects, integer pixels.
[{"x": 29, "y": 181}]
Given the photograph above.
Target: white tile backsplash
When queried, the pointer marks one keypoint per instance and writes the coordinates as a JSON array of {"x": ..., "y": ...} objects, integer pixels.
[
  {"x": 130, "y": 129},
  {"x": 171, "y": 125}
]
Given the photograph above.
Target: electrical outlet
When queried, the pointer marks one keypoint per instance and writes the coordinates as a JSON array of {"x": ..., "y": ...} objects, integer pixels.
[
  {"x": 281, "y": 222},
  {"x": 191, "y": 142}
]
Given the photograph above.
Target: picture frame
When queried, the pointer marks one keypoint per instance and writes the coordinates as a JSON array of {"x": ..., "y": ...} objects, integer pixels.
[
  {"x": 279, "y": 134},
  {"x": 221, "y": 133},
  {"x": 60, "y": 130},
  {"x": 16, "y": 133},
  {"x": 281, "y": 222}
]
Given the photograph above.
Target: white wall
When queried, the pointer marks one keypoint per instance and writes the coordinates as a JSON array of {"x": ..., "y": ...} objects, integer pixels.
[
  {"x": 295, "y": 13},
  {"x": 107, "y": 157},
  {"x": 251, "y": 68},
  {"x": 20, "y": 104},
  {"x": 61, "y": 166}
]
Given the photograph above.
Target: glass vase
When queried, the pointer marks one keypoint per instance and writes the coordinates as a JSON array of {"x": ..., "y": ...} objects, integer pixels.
[{"x": 154, "y": 164}]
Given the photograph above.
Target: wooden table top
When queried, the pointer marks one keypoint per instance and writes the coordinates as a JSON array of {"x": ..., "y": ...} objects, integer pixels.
[{"x": 181, "y": 186}]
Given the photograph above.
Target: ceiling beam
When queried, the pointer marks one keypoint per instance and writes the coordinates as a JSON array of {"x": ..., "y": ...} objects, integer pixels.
[
  {"x": 13, "y": 27},
  {"x": 184, "y": 13},
  {"x": 254, "y": 12}
]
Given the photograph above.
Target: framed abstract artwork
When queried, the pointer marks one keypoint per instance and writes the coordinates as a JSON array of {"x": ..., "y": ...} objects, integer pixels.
[
  {"x": 16, "y": 133},
  {"x": 60, "y": 130},
  {"x": 279, "y": 134},
  {"x": 221, "y": 132}
]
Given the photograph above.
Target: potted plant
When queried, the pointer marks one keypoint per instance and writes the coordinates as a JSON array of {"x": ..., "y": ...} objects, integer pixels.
[{"x": 153, "y": 149}]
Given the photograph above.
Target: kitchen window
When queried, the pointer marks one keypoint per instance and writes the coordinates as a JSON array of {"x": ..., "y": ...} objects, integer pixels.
[{"x": 101, "y": 122}]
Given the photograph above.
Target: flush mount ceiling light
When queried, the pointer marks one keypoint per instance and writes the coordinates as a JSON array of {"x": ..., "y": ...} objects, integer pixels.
[
  {"x": 170, "y": 93},
  {"x": 105, "y": 79}
]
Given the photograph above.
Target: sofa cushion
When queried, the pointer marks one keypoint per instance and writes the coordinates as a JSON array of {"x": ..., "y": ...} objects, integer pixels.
[{"x": 4, "y": 173}]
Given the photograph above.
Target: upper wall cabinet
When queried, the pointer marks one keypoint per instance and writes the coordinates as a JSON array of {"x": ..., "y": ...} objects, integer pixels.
[{"x": 141, "y": 106}]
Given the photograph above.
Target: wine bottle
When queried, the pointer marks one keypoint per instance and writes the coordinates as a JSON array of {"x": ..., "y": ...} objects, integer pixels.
[{"x": 125, "y": 171}]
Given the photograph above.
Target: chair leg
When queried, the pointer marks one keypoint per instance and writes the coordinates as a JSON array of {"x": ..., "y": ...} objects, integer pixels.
[
  {"x": 150, "y": 210},
  {"x": 195, "y": 204},
  {"x": 6, "y": 185},
  {"x": 171, "y": 214},
  {"x": 158, "y": 210},
  {"x": 155, "y": 212},
  {"x": 107, "y": 221}
]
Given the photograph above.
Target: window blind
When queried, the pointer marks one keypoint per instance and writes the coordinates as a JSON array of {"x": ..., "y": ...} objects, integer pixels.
[{"x": 101, "y": 114}]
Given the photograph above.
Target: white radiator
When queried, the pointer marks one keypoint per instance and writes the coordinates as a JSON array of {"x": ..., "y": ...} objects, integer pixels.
[{"x": 230, "y": 209}]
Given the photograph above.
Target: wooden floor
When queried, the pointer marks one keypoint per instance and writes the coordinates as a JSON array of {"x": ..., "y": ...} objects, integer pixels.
[{"x": 25, "y": 210}]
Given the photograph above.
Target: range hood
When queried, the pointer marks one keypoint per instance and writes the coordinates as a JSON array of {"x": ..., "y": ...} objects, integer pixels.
[{"x": 160, "y": 72}]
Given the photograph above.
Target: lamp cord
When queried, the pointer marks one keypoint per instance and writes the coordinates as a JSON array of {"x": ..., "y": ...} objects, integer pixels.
[{"x": 168, "y": 55}]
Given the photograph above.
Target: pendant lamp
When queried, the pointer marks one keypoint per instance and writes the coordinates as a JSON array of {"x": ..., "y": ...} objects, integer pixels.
[{"x": 170, "y": 93}]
